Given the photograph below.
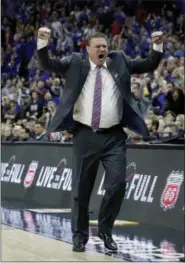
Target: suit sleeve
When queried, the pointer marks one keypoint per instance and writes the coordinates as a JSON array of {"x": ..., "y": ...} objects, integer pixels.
[
  {"x": 52, "y": 65},
  {"x": 139, "y": 66}
]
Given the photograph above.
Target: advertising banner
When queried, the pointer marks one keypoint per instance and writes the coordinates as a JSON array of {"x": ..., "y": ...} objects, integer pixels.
[
  {"x": 155, "y": 187},
  {"x": 37, "y": 174},
  {"x": 42, "y": 175}
]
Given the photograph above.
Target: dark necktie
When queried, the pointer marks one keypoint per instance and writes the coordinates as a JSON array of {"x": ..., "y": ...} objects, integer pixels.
[{"x": 96, "y": 112}]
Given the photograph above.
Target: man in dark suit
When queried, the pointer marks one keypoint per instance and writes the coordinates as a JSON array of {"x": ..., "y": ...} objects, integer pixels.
[{"x": 97, "y": 98}]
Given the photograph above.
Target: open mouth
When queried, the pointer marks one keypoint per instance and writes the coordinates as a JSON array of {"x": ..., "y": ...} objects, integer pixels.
[{"x": 101, "y": 56}]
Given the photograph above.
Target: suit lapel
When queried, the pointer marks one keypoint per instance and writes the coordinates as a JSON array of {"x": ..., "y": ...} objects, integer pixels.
[
  {"x": 84, "y": 72},
  {"x": 114, "y": 73}
]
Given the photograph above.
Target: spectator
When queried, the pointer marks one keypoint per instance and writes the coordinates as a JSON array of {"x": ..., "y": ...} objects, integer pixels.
[
  {"x": 169, "y": 117},
  {"x": 161, "y": 124},
  {"x": 67, "y": 136},
  {"x": 175, "y": 101},
  {"x": 179, "y": 122},
  {"x": 31, "y": 125},
  {"x": 40, "y": 131},
  {"x": 35, "y": 107},
  {"x": 24, "y": 134},
  {"x": 170, "y": 130},
  {"x": 155, "y": 127},
  {"x": 16, "y": 132},
  {"x": 7, "y": 134}
]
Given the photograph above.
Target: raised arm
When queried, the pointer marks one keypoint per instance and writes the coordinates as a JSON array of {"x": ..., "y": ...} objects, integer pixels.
[
  {"x": 46, "y": 63},
  {"x": 152, "y": 61}
]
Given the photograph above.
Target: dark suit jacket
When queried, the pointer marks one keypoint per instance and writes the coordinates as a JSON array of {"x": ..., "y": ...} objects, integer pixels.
[{"x": 75, "y": 69}]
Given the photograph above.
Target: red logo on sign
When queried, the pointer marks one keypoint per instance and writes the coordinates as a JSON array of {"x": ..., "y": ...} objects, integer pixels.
[
  {"x": 172, "y": 189},
  {"x": 28, "y": 180}
]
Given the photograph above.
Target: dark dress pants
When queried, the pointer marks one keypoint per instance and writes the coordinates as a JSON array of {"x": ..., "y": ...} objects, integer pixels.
[{"x": 89, "y": 148}]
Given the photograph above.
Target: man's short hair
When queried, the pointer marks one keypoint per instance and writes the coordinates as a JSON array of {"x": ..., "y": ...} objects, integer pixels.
[{"x": 95, "y": 35}]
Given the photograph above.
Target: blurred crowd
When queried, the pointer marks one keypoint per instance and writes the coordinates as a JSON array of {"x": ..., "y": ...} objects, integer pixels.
[{"x": 30, "y": 96}]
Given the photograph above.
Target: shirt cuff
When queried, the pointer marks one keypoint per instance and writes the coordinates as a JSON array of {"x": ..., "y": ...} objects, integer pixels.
[
  {"x": 158, "y": 47},
  {"x": 41, "y": 43}
]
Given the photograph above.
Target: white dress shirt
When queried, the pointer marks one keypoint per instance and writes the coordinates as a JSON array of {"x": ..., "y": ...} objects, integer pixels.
[{"x": 112, "y": 106}]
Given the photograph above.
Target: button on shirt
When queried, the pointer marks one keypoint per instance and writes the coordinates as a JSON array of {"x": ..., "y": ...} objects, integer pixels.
[{"x": 111, "y": 107}]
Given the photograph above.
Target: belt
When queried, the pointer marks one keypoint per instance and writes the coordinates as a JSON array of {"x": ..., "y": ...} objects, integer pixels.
[{"x": 100, "y": 130}]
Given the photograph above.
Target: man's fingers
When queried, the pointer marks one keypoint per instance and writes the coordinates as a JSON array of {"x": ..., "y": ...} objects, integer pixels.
[
  {"x": 157, "y": 34},
  {"x": 158, "y": 39},
  {"x": 44, "y": 33},
  {"x": 44, "y": 29}
]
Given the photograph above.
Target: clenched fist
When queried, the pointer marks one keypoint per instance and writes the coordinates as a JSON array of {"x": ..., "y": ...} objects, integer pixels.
[
  {"x": 44, "y": 33},
  {"x": 157, "y": 37}
]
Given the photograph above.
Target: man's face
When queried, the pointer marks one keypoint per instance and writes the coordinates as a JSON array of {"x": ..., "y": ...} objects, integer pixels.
[
  {"x": 135, "y": 90},
  {"x": 170, "y": 86},
  {"x": 16, "y": 131},
  {"x": 34, "y": 96},
  {"x": 98, "y": 50},
  {"x": 6, "y": 101},
  {"x": 169, "y": 118},
  {"x": 31, "y": 125},
  {"x": 180, "y": 121},
  {"x": 23, "y": 134},
  {"x": 7, "y": 131},
  {"x": 48, "y": 96},
  {"x": 175, "y": 95},
  {"x": 38, "y": 129},
  {"x": 40, "y": 84}
]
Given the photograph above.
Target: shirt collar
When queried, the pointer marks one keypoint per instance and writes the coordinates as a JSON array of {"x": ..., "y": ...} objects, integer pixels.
[{"x": 93, "y": 66}]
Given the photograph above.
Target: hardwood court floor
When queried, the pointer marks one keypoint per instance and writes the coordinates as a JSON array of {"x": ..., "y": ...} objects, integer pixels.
[
  {"x": 19, "y": 245},
  {"x": 40, "y": 235}
]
